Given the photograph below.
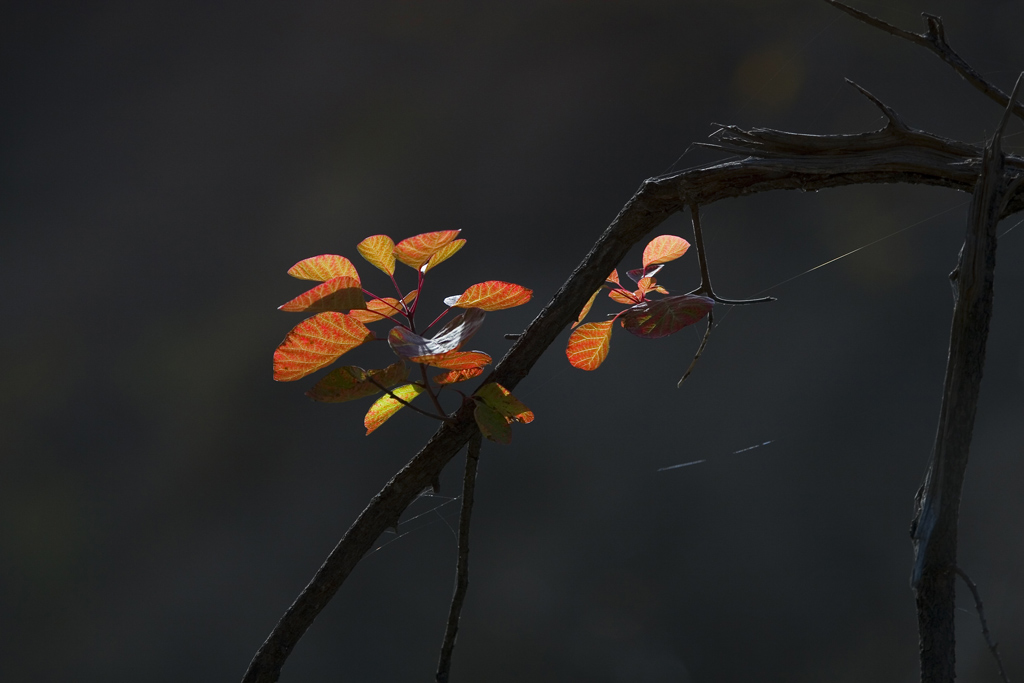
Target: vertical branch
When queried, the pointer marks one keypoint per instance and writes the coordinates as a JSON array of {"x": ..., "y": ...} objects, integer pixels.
[
  {"x": 462, "y": 569},
  {"x": 934, "y": 529}
]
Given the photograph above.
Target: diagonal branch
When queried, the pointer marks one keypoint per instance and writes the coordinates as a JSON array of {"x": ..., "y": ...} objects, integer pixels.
[
  {"x": 934, "y": 39},
  {"x": 992, "y": 646}
]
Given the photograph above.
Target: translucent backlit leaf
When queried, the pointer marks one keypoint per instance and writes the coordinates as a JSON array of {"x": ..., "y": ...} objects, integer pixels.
[
  {"x": 338, "y": 294},
  {"x": 621, "y": 296},
  {"x": 646, "y": 284},
  {"x": 378, "y": 309},
  {"x": 638, "y": 274},
  {"x": 444, "y": 253},
  {"x": 323, "y": 268},
  {"x": 493, "y": 295},
  {"x": 350, "y": 382},
  {"x": 663, "y": 249},
  {"x": 502, "y": 400},
  {"x": 452, "y": 336},
  {"x": 316, "y": 342},
  {"x": 455, "y": 360},
  {"x": 379, "y": 251},
  {"x": 588, "y": 345},
  {"x": 614, "y": 277},
  {"x": 453, "y": 376},
  {"x": 385, "y": 406},
  {"x": 586, "y": 309},
  {"x": 417, "y": 250},
  {"x": 492, "y": 424},
  {"x": 653, "y": 319}
]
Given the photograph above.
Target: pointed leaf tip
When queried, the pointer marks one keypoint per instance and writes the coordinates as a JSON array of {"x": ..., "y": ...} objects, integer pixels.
[
  {"x": 588, "y": 345},
  {"x": 417, "y": 250}
]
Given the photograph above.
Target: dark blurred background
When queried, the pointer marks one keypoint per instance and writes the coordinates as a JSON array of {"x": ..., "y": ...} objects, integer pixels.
[{"x": 162, "y": 500}]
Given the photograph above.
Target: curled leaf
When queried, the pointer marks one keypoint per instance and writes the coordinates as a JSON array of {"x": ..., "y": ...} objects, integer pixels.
[
  {"x": 452, "y": 336},
  {"x": 455, "y": 360},
  {"x": 379, "y": 251},
  {"x": 417, "y": 250},
  {"x": 317, "y": 342},
  {"x": 586, "y": 309},
  {"x": 351, "y": 382},
  {"x": 385, "y": 406},
  {"x": 492, "y": 424},
  {"x": 453, "y": 376},
  {"x": 502, "y": 400},
  {"x": 323, "y": 268},
  {"x": 588, "y": 345},
  {"x": 341, "y": 294},
  {"x": 663, "y": 249},
  {"x": 653, "y": 319},
  {"x": 493, "y": 295},
  {"x": 444, "y": 253}
]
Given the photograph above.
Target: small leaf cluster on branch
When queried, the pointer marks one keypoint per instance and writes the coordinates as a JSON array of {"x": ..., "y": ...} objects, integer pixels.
[
  {"x": 645, "y": 317},
  {"x": 340, "y": 325}
]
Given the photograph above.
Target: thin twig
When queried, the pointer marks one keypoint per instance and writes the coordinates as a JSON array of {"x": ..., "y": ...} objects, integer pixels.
[
  {"x": 444, "y": 663},
  {"x": 700, "y": 349},
  {"x": 992, "y": 646},
  {"x": 935, "y": 40},
  {"x": 433, "y": 396},
  {"x": 401, "y": 400},
  {"x": 705, "y": 278}
]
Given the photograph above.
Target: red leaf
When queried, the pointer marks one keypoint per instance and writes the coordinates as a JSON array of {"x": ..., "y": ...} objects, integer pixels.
[
  {"x": 417, "y": 250},
  {"x": 455, "y": 360},
  {"x": 444, "y": 253},
  {"x": 492, "y": 424},
  {"x": 588, "y": 345},
  {"x": 316, "y": 342},
  {"x": 493, "y": 295},
  {"x": 664, "y": 249},
  {"x": 385, "y": 406},
  {"x": 338, "y": 294},
  {"x": 502, "y": 400},
  {"x": 350, "y": 382},
  {"x": 378, "y": 309},
  {"x": 653, "y": 319},
  {"x": 453, "y": 376},
  {"x": 586, "y": 309},
  {"x": 452, "y": 336},
  {"x": 379, "y": 250},
  {"x": 323, "y": 268}
]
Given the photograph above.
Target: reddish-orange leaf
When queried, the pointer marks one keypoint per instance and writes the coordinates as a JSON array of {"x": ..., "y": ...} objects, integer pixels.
[
  {"x": 379, "y": 250},
  {"x": 316, "y": 342},
  {"x": 502, "y": 400},
  {"x": 455, "y": 360},
  {"x": 492, "y": 295},
  {"x": 410, "y": 297},
  {"x": 351, "y": 382},
  {"x": 647, "y": 284},
  {"x": 588, "y": 345},
  {"x": 653, "y": 319},
  {"x": 453, "y": 376},
  {"x": 323, "y": 268},
  {"x": 444, "y": 253},
  {"x": 338, "y": 294},
  {"x": 492, "y": 424},
  {"x": 385, "y": 406},
  {"x": 614, "y": 277},
  {"x": 378, "y": 309},
  {"x": 664, "y": 249},
  {"x": 417, "y": 250},
  {"x": 586, "y": 309},
  {"x": 621, "y": 296},
  {"x": 453, "y": 335}
]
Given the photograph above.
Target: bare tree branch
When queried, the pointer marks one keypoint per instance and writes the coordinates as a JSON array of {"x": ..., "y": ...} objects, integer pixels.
[
  {"x": 934, "y": 39},
  {"x": 992, "y": 646},
  {"x": 444, "y": 663}
]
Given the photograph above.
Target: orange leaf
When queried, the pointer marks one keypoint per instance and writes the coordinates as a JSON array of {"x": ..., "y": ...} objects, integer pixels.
[
  {"x": 586, "y": 309},
  {"x": 492, "y": 295},
  {"x": 588, "y": 345},
  {"x": 379, "y": 250},
  {"x": 649, "y": 284},
  {"x": 664, "y": 249},
  {"x": 502, "y": 400},
  {"x": 377, "y": 309},
  {"x": 455, "y": 360},
  {"x": 417, "y": 250},
  {"x": 614, "y": 277},
  {"x": 621, "y": 296},
  {"x": 452, "y": 336},
  {"x": 337, "y": 294},
  {"x": 492, "y": 424},
  {"x": 316, "y": 342},
  {"x": 385, "y": 406},
  {"x": 444, "y": 253},
  {"x": 453, "y": 376},
  {"x": 323, "y": 268},
  {"x": 350, "y": 382},
  {"x": 653, "y": 319}
]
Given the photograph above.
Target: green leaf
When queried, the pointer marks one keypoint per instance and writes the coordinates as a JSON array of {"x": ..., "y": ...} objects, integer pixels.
[
  {"x": 351, "y": 382},
  {"x": 492, "y": 424},
  {"x": 385, "y": 406},
  {"x": 501, "y": 399}
]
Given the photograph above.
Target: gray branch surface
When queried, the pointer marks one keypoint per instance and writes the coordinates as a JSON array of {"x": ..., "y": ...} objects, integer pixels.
[{"x": 774, "y": 160}]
